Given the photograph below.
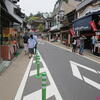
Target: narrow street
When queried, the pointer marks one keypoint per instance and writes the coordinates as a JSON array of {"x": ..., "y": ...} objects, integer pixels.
[
  {"x": 50, "y": 50},
  {"x": 70, "y": 76}
]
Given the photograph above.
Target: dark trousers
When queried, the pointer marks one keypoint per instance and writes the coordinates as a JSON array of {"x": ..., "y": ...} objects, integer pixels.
[{"x": 35, "y": 48}]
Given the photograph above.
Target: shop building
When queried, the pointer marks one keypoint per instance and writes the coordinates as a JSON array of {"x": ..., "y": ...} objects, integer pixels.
[
  {"x": 70, "y": 15},
  {"x": 64, "y": 13},
  {"x": 88, "y": 21},
  {"x": 11, "y": 18},
  {"x": 48, "y": 20}
]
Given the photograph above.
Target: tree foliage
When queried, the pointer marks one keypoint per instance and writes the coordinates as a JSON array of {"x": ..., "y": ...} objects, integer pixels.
[
  {"x": 41, "y": 27},
  {"x": 32, "y": 17}
]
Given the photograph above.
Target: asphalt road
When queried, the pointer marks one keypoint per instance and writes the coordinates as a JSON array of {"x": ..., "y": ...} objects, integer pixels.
[
  {"x": 69, "y": 76},
  {"x": 76, "y": 77}
]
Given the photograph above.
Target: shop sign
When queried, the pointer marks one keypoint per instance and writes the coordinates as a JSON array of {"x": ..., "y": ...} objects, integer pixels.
[
  {"x": 82, "y": 23},
  {"x": 82, "y": 28}
]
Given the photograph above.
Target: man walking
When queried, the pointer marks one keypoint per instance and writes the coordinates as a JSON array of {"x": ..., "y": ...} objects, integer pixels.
[
  {"x": 31, "y": 45},
  {"x": 81, "y": 50},
  {"x": 36, "y": 42},
  {"x": 93, "y": 44}
]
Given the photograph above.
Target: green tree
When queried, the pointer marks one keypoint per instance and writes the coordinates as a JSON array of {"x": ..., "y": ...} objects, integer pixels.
[{"x": 41, "y": 27}]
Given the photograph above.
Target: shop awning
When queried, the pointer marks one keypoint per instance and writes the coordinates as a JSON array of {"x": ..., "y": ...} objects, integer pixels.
[
  {"x": 56, "y": 27},
  {"x": 10, "y": 7},
  {"x": 83, "y": 23}
]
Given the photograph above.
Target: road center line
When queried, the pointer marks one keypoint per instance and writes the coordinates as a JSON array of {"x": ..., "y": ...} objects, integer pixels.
[
  {"x": 34, "y": 72},
  {"x": 54, "y": 89}
]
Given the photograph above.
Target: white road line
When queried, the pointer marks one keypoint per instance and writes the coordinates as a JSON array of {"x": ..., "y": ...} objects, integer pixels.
[
  {"x": 38, "y": 94},
  {"x": 90, "y": 82},
  {"x": 75, "y": 53},
  {"x": 23, "y": 82},
  {"x": 54, "y": 89},
  {"x": 98, "y": 72},
  {"x": 34, "y": 72},
  {"x": 33, "y": 61},
  {"x": 76, "y": 72},
  {"x": 82, "y": 66}
]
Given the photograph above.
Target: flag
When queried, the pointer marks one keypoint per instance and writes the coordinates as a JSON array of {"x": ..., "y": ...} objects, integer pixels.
[
  {"x": 71, "y": 30},
  {"x": 92, "y": 23}
]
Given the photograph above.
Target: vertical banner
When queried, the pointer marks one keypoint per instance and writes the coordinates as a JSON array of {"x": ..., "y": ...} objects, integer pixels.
[
  {"x": 71, "y": 30},
  {"x": 92, "y": 23}
]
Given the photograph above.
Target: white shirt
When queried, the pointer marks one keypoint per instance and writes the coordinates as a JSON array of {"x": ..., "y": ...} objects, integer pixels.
[
  {"x": 31, "y": 43},
  {"x": 74, "y": 42},
  {"x": 35, "y": 38}
]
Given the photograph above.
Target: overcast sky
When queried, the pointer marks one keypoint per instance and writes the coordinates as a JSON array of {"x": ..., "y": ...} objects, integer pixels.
[{"x": 33, "y": 6}]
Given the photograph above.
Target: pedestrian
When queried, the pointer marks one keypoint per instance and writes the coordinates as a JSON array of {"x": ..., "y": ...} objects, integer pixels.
[
  {"x": 93, "y": 44},
  {"x": 25, "y": 38},
  {"x": 82, "y": 39},
  {"x": 36, "y": 42},
  {"x": 31, "y": 45},
  {"x": 74, "y": 44},
  {"x": 78, "y": 44}
]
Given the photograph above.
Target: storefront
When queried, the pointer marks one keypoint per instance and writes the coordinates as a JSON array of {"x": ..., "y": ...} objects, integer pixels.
[
  {"x": 54, "y": 33},
  {"x": 89, "y": 25},
  {"x": 8, "y": 43},
  {"x": 64, "y": 33}
]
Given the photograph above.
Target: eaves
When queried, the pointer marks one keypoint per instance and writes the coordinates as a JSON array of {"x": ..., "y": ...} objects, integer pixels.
[{"x": 83, "y": 4}]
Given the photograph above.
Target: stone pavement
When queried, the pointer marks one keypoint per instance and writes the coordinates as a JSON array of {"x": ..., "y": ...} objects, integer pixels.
[{"x": 10, "y": 79}]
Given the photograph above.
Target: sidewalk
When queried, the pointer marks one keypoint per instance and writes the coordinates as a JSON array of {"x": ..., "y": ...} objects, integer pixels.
[
  {"x": 87, "y": 53},
  {"x": 10, "y": 79}
]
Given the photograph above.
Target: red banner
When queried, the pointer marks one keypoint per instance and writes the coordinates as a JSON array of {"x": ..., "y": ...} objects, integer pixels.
[
  {"x": 92, "y": 23},
  {"x": 72, "y": 31}
]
